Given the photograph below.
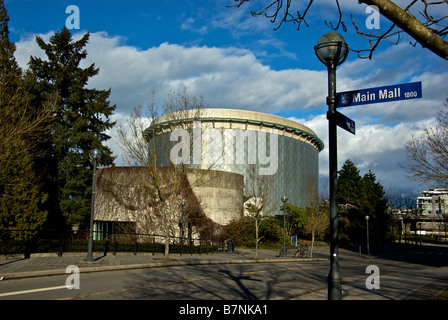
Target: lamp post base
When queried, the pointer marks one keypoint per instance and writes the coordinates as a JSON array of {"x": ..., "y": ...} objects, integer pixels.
[
  {"x": 89, "y": 258},
  {"x": 334, "y": 289}
]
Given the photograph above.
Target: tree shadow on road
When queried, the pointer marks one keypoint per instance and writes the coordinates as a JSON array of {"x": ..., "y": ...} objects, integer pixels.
[
  {"x": 244, "y": 292},
  {"x": 188, "y": 283}
]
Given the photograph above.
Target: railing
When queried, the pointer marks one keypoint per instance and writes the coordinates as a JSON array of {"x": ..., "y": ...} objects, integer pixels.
[
  {"x": 12, "y": 242},
  {"x": 153, "y": 243}
]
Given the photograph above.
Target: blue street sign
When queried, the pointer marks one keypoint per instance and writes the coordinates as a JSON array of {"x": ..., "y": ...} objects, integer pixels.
[
  {"x": 293, "y": 239},
  {"x": 396, "y": 92},
  {"x": 345, "y": 123}
]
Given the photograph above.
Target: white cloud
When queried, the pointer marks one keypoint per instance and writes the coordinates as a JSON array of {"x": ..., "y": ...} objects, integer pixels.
[
  {"x": 375, "y": 147},
  {"x": 226, "y": 77},
  {"x": 235, "y": 78},
  {"x": 27, "y": 47},
  {"x": 189, "y": 24}
]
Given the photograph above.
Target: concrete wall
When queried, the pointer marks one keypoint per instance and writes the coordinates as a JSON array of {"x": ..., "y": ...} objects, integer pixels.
[
  {"x": 121, "y": 194},
  {"x": 220, "y": 193}
]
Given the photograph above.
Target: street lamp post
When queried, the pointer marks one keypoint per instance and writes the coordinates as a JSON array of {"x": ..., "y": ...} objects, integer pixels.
[
  {"x": 284, "y": 199},
  {"x": 332, "y": 50},
  {"x": 368, "y": 248},
  {"x": 420, "y": 231},
  {"x": 95, "y": 155}
]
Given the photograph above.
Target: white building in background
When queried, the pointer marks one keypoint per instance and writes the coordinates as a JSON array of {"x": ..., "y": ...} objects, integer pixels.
[
  {"x": 432, "y": 213},
  {"x": 433, "y": 202}
]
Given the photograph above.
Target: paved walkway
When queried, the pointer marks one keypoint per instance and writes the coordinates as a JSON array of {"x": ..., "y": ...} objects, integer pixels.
[{"x": 14, "y": 267}]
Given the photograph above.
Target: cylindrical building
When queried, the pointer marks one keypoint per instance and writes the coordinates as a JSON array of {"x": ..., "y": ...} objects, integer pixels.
[{"x": 267, "y": 150}]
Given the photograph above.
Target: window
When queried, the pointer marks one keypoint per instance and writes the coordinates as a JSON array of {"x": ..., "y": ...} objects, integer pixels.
[{"x": 102, "y": 229}]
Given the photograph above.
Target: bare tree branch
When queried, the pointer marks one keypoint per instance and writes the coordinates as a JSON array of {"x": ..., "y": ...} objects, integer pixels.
[
  {"x": 428, "y": 29},
  {"x": 428, "y": 37},
  {"x": 340, "y": 22},
  {"x": 147, "y": 143},
  {"x": 428, "y": 153}
]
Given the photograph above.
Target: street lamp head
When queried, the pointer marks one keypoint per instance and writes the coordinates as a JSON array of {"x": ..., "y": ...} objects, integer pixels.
[
  {"x": 367, "y": 217},
  {"x": 284, "y": 199},
  {"x": 95, "y": 154},
  {"x": 182, "y": 203},
  {"x": 331, "y": 49}
]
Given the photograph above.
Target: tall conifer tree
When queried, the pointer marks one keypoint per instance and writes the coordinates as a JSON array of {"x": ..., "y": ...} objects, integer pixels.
[
  {"x": 376, "y": 208},
  {"x": 21, "y": 195},
  {"x": 349, "y": 184},
  {"x": 79, "y": 123},
  {"x": 359, "y": 197}
]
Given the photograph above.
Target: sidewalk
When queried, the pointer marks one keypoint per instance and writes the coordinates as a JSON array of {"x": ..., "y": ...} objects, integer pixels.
[{"x": 50, "y": 264}]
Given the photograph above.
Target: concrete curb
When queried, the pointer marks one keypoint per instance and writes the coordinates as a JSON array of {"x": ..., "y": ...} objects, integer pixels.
[{"x": 55, "y": 272}]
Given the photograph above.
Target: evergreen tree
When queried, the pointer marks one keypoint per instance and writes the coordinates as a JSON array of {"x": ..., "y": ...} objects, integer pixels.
[
  {"x": 359, "y": 197},
  {"x": 350, "y": 193},
  {"x": 21, "y": 127},
  {"x": 9, "y": 68},
  {"x": 22, "y": 199},
  {"x": 79, "y": 124},
  {"x": 349, "y": 185},
  {"x": 376, "y": 208}
]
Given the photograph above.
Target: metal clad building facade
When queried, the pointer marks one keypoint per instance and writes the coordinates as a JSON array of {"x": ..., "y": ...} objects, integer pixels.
[{"x": 280, "y": 151}]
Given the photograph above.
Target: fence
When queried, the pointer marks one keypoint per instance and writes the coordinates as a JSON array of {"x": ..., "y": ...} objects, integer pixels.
[{"x": 76, "y": 241}]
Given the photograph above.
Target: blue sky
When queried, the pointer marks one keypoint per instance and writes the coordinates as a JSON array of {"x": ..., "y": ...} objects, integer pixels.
[
  {"x": 237, "y": 61},
  {"x": 148, "y": 23}
]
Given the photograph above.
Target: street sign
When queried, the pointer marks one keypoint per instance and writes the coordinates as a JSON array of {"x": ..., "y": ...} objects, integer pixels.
[
  {"x": 294, "y": 240},
  {"x": 345, "y": 123},
  {"x": 396, "y": 92}
]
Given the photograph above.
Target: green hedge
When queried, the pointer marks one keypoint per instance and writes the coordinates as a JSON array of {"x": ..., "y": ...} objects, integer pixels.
[{"x": 11, "y": 247}]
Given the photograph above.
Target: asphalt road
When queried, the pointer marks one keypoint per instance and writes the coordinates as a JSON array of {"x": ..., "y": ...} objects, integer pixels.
[{"x": 417, "y": 275}]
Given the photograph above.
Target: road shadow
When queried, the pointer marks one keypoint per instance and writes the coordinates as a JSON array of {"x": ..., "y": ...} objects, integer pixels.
[
  {"x": 424, "y": 255},
  {"x": 243, "y": 291},
  {"x": 6, "y": 262},
  {"x": 189, "y": 283}
]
